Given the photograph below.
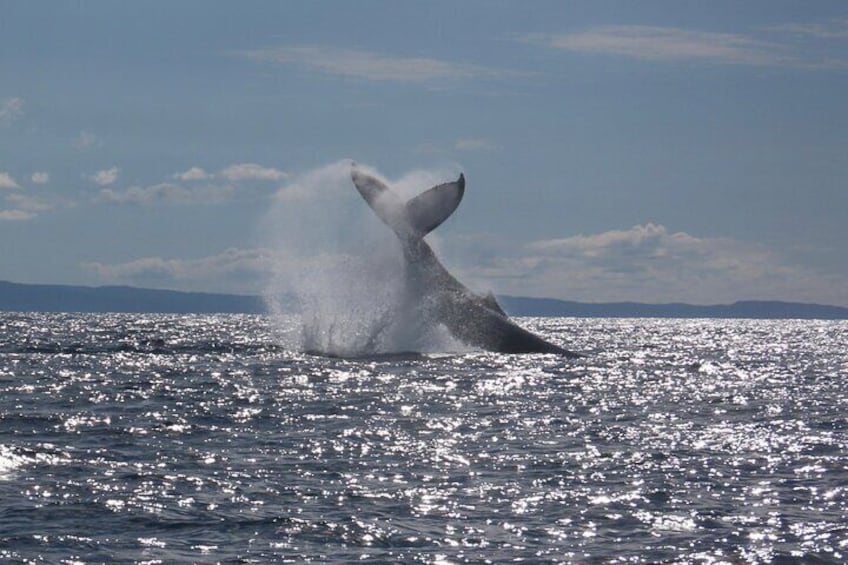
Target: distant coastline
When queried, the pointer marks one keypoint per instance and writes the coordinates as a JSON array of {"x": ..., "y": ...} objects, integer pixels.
[
  {"x": 756, "y": 309},
  {"x": 68, "y": 298}
]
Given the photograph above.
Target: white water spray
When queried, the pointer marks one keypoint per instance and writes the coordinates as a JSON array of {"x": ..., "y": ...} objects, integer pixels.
[{"x": 338, "y": 284}]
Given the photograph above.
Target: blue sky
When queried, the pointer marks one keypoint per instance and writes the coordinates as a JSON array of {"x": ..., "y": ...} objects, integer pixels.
[{"x": 647, "y": 151}]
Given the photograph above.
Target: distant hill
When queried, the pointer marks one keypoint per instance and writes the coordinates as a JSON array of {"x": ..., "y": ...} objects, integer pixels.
[
  {"x": 523, "y": 306},
  {"x": 66, "y": 298}
]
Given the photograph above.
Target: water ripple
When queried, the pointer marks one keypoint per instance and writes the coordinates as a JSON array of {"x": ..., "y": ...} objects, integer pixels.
[{"x": 149, "y": 438}]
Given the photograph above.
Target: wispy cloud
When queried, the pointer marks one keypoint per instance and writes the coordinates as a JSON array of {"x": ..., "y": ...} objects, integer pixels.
[
  {"x": 193, "y": 173},
  {"x": 11, "y": 109},
  {"x": 665, "y": 44},
  {"x": 40, "y": 177},
  {"x": 373, "y": 66},
  {"x": 15, "y": 215},
  {"x": 28, "y": 203},
  {"x": 195, "y": 186},
  {"x": 646, "y": 263},
  {"x": 21, "y": 206},
  {"x": 167, "y": 193},
  {"x": 106, "y": 176},
  {"x": 7, "y": 182},
  {"x": 235, "y": 172},
  {"x": 642, "y": 242},
  {"x": 86, "y": 140},
  {"x": 669, "y": 44},
  {"x": 836, "y": 28},
  {"x": 232, "y": 270},
  {"x": 252, "y": 171}
]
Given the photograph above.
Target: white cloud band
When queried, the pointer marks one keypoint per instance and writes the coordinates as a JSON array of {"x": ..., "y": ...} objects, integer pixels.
[
  {"x": 106, "y": 176},
  {"x": 7, "y": 182},
  {"x": 373, "y": 66}
]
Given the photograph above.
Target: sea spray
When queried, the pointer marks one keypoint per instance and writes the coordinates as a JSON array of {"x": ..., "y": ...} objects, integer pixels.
[{"x": 339, "y": 281}]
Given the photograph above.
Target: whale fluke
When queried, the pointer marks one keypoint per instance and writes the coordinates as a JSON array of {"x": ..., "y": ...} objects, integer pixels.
[
  {"x": 419, "y": 215},
  {"x": 429, "y": 209}
]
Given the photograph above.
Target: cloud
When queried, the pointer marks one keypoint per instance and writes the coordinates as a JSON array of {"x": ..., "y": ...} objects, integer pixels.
[
  {"x": 644, "y": 241},
  {"x": 167, "y": 193},
  {"x": 28, "y": 203},
  {"x": 86, "y": 140},
  {"x": 372, "y": 66},
  {"x": 194, "y": 173},
  {"x": 23, "y": 207},
  {"x": 40, "y": 177},
  {"x": 190, "y": 191},
  {"x": 7, "y": 182},
  {"x": 836, "y": 28},
  {"x": 11, "y": 109},
  {"x": 235, "y": 172},
  {"x": 106, "y": 176},
  {"x": 645, "y": 263},
  {"x": 665, "y": 44},
  {"x": 251, "y": 171},
  {"x": 15, "y": 215},
  {"x": 669, "y": 44},
  {"x": 232, "y": 270}
]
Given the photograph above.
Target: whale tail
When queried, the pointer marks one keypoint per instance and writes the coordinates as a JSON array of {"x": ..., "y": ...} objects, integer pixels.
[
  {"x": 473, "y": 319},
  {"x": 416, "y": 217}
]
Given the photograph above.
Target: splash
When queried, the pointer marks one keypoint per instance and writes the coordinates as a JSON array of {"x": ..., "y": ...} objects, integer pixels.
[{"x": 339, "y": 283}]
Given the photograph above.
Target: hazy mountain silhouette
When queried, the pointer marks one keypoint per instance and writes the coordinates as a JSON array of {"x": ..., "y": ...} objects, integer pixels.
[
  {"x": 67, "y": 298},
  {"x": 523, "y": 306}
]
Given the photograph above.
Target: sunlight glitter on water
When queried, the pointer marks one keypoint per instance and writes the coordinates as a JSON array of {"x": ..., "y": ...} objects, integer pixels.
[{"x": 186, "y": 439}]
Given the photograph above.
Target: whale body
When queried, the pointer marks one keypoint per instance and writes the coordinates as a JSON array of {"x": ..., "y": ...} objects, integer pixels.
[{"x": 475, "y": 320}]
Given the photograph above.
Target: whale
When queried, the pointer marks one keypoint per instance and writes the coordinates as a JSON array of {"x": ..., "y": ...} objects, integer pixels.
[{"x": 475, "y": 320}]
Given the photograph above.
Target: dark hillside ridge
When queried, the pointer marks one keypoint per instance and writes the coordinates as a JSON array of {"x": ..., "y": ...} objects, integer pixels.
[
  {"x": 67, "y": 298},
  {"x": 768, "y": 309}
]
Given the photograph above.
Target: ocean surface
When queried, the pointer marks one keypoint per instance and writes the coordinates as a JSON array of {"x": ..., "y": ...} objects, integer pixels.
[{"x": 185, "y": 439}]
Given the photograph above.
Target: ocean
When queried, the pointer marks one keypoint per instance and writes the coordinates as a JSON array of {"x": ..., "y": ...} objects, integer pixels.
[{"x": 201, "y": 439}]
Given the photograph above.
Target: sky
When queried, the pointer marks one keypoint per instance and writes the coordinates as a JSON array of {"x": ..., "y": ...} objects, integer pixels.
[{"x": 653, "y": 151}]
